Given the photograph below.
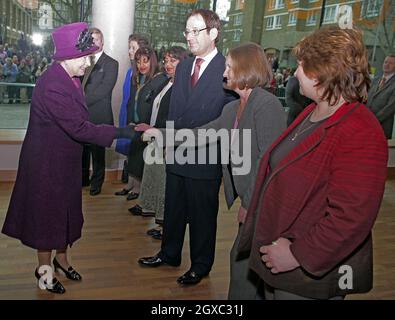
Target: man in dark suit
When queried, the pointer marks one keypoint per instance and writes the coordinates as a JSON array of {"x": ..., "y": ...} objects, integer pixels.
[
  {"x": 98, "y": 84},
  {"x": 381, "y": 96},
  {"x": 295, "y": 101},
  {"x": 198, "y": 97}
]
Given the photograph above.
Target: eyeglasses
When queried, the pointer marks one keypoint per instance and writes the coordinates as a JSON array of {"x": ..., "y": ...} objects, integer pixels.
[{"x": 194, "y": 32}]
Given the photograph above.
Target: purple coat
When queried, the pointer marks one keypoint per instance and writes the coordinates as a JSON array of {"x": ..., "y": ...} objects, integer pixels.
[{"x": 45, "y": 210}]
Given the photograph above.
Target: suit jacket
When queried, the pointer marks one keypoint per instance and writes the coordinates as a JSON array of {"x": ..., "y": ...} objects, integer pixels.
[
  {"x": 194, "y": 107},
  {"x": 324, "y": 196},
  {"x": 382, "y": 104},
  {"x": 45, "y": 210},
  {"x": 294, "y": 100},
  {"x": 98, "y": 90}
]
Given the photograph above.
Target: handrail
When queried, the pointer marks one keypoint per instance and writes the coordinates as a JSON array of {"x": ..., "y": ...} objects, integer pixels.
[{"x": 18, "y": 84}]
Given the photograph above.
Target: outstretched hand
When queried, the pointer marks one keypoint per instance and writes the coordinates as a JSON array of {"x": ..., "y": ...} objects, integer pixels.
[{"x": 142, "y": 127}]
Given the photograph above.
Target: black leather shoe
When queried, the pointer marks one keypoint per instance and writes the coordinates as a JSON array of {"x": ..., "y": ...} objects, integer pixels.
[
  {"x": 95, "y": 191},
  {"x": 157, "y": 236},
  {"x": 123, "y": 192},
  {"x": 136, "y": 210},
  {"x": 86, "y": 183},
  {"x": 189, "y": 278},
  {"x": 132, "y": 196},
  {"x": 152, "y": 262},
  {"x": 55, "y": 287},
  {"x": 70, "y": 273},
  {"x": 153, "y": 231}
]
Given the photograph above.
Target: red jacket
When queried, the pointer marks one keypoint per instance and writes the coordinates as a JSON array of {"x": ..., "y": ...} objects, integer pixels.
[{"x": 324, "y": 196}]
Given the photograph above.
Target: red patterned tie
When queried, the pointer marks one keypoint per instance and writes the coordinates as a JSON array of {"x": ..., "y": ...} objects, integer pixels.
[
  {"x": 196, "y": 70},
  {"x": 382, "y": 83}
]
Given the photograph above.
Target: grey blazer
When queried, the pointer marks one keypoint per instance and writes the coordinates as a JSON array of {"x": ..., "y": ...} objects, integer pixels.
[
  {"x": 382, "y": 104},
  {"x": 266, "y": 118}
]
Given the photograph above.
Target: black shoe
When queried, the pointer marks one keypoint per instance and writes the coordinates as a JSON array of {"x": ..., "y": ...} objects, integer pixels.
[
  {"x": 132, "y": 196},
  {"x": 155, "y": 261},
  {"x": 70, "y": 273},
  {"x": 136, "y": 210},
  {"x": 157, "y": 236},
  {"x": 55, "y": 287},
  {"x": 152, "y": 262},
  {"x": 190, "y": 278},
  {"x": 86, "y": 183},
  {"x": 95, "y": 191},
  {"x": 153, "y": 231},
  {"x": 123, "y": 192}
]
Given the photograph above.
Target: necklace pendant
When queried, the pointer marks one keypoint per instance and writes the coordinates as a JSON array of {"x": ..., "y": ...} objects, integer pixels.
[{"x": 294, "y": 137}]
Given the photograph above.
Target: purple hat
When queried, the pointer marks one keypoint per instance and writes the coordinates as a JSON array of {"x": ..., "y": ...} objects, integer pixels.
[{"x": 72, "y": 41}]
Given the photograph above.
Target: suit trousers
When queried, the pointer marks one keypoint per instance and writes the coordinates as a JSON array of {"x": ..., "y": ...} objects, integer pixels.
[
  {"x": 98, "y": 154},
  {"x": 193, "y": 201}
]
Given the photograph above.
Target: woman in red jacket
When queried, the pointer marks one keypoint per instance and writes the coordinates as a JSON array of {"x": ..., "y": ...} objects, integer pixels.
[{"x": 320, "y": 185}]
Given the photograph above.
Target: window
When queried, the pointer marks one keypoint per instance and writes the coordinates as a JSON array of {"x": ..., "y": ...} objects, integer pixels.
[
  {"x": 330, "y": 14},
  {"x": 312, "y": 18},
  {"x": 292, "y": 18},
  {"x": 279, "y": 4},
  {"x": 276, "y": 4},
  {"x": 371, "y": 8},
  {"x": 238, "y": 20},
  {"x": 236, "y": 35},
  {"x": 239, "y": 5},
  {"x": 273, "y": 22}
]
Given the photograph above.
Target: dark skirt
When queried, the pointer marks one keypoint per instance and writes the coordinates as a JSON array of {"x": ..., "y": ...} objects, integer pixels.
[{"x": 135, "y": 157}]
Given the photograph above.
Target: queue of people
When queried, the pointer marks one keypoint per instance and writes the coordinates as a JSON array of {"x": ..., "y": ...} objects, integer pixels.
[{"x": 308, "y": 201}]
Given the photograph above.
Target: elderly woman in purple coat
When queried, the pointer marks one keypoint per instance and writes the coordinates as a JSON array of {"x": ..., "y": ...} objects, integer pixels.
[{"x": 45, "y": 211}]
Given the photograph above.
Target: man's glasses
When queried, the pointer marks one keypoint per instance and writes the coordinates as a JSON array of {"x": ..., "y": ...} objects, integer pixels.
[{"x": 194, "y": 32}]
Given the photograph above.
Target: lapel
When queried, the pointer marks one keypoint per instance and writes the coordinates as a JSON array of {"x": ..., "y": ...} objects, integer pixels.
[{"x": 376, "y": 85}]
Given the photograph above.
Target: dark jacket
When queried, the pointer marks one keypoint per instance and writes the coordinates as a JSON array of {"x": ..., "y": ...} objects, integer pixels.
[
  {"x": 382, "y": 104},
  {"x": 98, "y": 90},
  {"x": 194, "y": 107},
  {"x": 45, "y": 210},
  {"x": 145, "y": 99}
]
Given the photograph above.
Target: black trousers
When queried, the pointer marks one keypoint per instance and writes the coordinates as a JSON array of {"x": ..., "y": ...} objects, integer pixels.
[
  {"x": 192, "y": 201},
  {"x": 98, "y": 154}
]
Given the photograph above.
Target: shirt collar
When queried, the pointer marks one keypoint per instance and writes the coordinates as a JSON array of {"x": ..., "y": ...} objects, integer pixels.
[
  {"x": 97, "y": 56},
  {"x": 207, "y": 59}
]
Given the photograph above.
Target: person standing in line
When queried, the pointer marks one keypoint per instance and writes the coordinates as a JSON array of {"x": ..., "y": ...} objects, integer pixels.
[
  {"x": 122, "y": 146},
  {"x": 98, "y": 83},
  {"x": 152, "y": 196},
  {"x": 198, "y": 97},
  {"x": 45, "y": 210},
  {"x": 320, "y": 184},
  {"x": 381, "y": 96}
]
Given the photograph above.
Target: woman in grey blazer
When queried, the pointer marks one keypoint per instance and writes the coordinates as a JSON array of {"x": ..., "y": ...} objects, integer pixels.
[{"x": 257, "y": 112}]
